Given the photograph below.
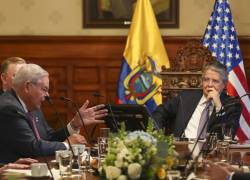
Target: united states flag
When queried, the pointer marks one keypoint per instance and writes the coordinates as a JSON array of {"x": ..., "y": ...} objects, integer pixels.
[{"x": 221, "y": 39}]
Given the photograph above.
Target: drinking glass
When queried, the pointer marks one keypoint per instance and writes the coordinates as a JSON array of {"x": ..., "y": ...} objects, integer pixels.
[
  {"x": 95, "y": 158},
  {"x": 86, "y": 159},
  {"x": 102, "y": 147},
  {"x": 228, "y": 133},
  {"x": 222, "y": 148},
  {"x": 103, "y": 142},
  {"x": 78, "y": 150},
  {"x": 65, "y": 163}
]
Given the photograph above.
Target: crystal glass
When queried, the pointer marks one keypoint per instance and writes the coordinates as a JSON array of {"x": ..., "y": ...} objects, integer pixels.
[
  {"x": 102, "y": 147},
  {"x": 78, "y": 150},
  {"x": 65, "y": 163},
  {"x": 222, "y": 150},
  {"x": 86, "y": 159}
]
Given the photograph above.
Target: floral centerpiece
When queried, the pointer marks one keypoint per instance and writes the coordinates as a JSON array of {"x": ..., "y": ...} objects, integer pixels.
[{"x": 134, "y": 155}]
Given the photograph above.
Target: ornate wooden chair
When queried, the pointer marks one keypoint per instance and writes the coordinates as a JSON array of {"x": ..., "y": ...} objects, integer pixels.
[{"x": 185, "y": 71}]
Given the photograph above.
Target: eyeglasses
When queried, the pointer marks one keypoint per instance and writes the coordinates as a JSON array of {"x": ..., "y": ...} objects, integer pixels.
[{"x": 44, "y": 89}]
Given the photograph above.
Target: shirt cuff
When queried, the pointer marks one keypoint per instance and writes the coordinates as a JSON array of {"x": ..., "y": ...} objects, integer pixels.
[
  {"x": 66, "y": 144},
  {"x": 230, "y": 177},
  {"x": 71, "y": 130}
]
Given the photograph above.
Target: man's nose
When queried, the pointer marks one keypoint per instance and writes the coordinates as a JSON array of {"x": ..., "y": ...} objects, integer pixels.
[{"x": 210, "y": 83}]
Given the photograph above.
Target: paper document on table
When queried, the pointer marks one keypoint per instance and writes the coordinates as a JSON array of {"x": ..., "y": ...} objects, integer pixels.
[{"x": 26, "y": 173}]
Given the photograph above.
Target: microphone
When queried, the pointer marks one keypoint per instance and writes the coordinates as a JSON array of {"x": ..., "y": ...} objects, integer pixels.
[
  {"x": 97, "y": 94},
  {"x": 49, "y": 100},
  {"x": 195, "y": 144},
  {"x": 79, "y": 114}
]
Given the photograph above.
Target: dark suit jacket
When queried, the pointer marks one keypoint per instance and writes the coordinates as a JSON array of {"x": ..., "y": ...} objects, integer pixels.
[
  {"x": 241, "y": 176},
  {"x": 17, "y": 138},
  {"x": 175, "y": 113}
]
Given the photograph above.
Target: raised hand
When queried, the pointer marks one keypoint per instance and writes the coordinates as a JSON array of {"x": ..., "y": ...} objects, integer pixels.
[{"x": 91, "y": 115}]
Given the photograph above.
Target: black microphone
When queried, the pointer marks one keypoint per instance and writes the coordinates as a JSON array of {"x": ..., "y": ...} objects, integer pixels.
[
  {"x": 79, "y": 114},
  {"x": 114, "y": 121},
  {"x": 49, "y": 100},
  {"x": 97, "y": 94},
  {"x": 195, "y": 144}
]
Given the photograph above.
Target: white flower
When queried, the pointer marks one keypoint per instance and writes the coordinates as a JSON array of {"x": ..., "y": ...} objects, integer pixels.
[
  {"x": 122, "y": 177},
  {"x": 134, "y": 170},
  {"x": 112, "y": 172},
  {"x": 119, "y": 163}
]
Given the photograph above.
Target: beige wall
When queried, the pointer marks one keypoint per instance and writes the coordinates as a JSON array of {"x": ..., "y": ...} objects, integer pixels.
[{"x": 64, "y": 17}]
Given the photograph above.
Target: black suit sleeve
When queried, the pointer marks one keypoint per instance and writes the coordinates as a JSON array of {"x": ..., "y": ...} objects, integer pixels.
[
  {"x": 16, "y": 135},
  {"x": 229, "y": 115},
  {"x": 241, "y": 176},
  {"x": 165, "y": 112}
]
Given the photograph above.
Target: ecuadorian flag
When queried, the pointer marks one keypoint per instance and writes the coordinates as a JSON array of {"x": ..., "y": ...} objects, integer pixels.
[{"x": 144, "y": 55}]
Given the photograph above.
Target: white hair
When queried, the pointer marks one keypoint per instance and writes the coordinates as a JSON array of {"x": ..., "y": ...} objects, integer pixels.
[{"x": 29, "y": 72}]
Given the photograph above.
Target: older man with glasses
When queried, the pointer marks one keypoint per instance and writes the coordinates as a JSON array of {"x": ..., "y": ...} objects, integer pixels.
[
  {"x": 193, "y": 113},
  {"x": 24, "y": 135}
]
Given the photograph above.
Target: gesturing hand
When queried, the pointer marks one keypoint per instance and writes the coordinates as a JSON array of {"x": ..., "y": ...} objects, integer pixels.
[{"x": 90, "y": 115}]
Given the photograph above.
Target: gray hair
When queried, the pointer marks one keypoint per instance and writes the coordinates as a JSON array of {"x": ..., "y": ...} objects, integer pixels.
[
  {"x": 217, "y": 67},
  {"x": 29, "y": 72}
]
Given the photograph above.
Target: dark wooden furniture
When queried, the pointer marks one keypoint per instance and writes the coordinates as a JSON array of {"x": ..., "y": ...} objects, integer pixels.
[{"x": 185, "y": 71}]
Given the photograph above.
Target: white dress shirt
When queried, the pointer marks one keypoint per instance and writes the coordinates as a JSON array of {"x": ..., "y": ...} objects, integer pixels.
[{"x": 193, "y": 124}]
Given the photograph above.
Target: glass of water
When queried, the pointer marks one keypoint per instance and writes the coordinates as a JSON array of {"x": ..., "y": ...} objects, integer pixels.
[
  {"x": 78, "y": 150},
  {"x": 65, "y": 163}
]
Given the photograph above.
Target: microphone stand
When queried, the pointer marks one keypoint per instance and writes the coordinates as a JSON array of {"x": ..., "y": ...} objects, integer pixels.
[
  {"x": 48, "y": 99},
  {"x": 79, "y": 114},
  {"x": 192, "y": 151}
]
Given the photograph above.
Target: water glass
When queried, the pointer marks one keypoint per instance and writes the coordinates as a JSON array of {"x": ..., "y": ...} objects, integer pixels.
[
  {"x": 222, "y": 149},
  {"x": 57, "y": 155},
  {"x": 102, "y": 147},
  {"x": 86, "y": 158},
  {"x": 65, "y": 163},
  {"x": 228, "y": 134},
  {"x": 78, "y": 150}
]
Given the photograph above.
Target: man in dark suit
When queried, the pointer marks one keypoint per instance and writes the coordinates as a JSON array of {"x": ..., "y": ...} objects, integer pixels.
[
  {"x": 9, "y": 68},
  {"x": 24, "y": 135},
  {"x": 182, "y": 115}
]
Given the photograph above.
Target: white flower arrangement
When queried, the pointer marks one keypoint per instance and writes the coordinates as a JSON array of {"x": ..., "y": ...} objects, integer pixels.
[{"x": 133, "y": 155}]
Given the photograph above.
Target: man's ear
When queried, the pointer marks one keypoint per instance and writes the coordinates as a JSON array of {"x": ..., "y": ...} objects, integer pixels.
[
  {"x": 26, "y": 86},
  {"x": 3, "y": 78}
]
